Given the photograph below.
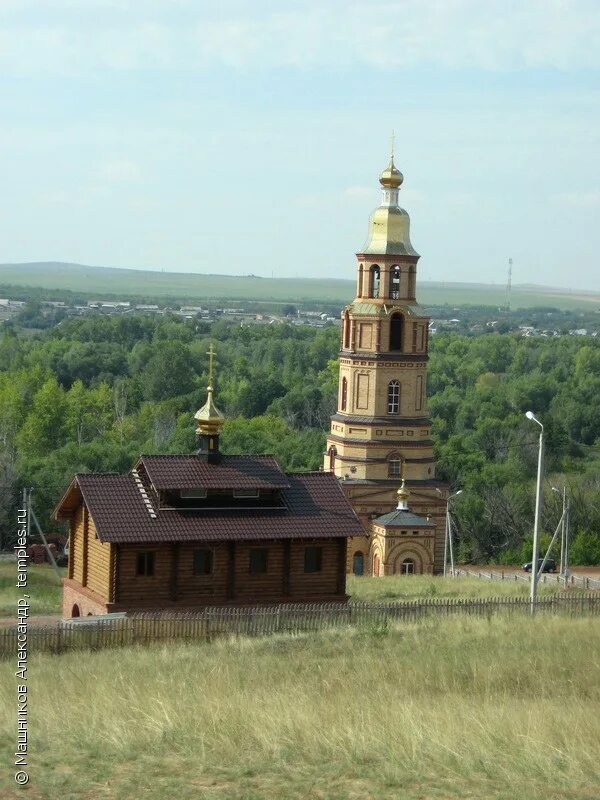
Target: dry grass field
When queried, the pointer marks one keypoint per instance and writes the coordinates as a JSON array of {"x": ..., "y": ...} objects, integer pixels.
[{"x": 498, "y": 709}]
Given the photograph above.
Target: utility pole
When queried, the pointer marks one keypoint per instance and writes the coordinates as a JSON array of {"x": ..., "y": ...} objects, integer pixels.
[
  {"x": 509, "y": 284},
  {"x": 448, "y": 537}
]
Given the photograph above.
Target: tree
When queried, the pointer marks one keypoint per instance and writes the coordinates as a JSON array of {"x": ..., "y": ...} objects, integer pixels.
[
  {"x": 168, "y": 372},
  {"x": 44, "y": 426}
]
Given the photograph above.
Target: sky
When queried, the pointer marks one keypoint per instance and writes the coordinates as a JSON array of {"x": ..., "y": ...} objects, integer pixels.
[{"x": 247, "y": 137}]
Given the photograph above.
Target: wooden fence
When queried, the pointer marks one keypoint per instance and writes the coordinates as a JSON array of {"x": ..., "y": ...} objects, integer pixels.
[
  {"x": 580, "y": 581},
  {"x": 206, "y": 624}
]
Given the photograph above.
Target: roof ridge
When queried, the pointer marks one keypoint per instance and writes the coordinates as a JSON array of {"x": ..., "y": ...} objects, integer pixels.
[
  {"x": 100, "y": 474},
  {"x": 310, "y": 472},
  {"x": 224, "y": 455}
]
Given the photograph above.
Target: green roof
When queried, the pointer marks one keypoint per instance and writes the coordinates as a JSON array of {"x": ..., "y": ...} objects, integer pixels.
[{"x": 403, "y": 519}]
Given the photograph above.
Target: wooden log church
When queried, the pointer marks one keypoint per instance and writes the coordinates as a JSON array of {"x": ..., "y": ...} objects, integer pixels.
[{"x": 192, "y": 530}]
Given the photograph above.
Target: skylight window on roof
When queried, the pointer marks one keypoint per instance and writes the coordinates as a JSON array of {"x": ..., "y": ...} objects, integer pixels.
[{"x": 199, "y": 494}]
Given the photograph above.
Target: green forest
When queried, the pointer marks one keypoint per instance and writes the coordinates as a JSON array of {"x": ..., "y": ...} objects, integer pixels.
[{"x": 92, "y": 394}]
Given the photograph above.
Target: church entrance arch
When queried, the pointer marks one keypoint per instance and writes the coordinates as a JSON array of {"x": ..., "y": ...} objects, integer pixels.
[{"x": 75, "y": 612}]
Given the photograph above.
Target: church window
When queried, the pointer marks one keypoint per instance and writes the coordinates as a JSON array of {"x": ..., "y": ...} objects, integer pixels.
[
  {"x": 396, "y": 332},
  {"x": 358, "y": 563},
  {"x": 346, "y": 331},
  {"x": 393, "y": 397},
  {"x": 395, "y": 283},
  {"x": 344, "y": 394},
  {"x": 408, "y": 567},
  {"x": 145, "y": 564},
  {"x": 332, "y": 454},
  {"x": 203, "y": 562},
  {"x": 414, "y": 338},
  {"x": 375, "y": 278},
  {"x": 313, "y": 559},
  {"x": 258, "y": 560},
  {"x": 395, "y": 467}
]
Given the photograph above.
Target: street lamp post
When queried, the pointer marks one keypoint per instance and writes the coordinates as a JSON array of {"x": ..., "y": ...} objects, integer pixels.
[
  {"x": 448, "y": 537},
  {"x": 538, "y": 510}
]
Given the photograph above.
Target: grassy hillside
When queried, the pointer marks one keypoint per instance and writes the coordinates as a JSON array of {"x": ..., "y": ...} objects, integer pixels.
[
  {"x": 197, "y": 287},
  {"x": 457, "y": 708}
]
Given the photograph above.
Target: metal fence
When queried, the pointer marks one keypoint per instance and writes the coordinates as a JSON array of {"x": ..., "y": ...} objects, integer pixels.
[
  {"x": 578, "y": 581},
  {"x": 206, "y": 624}
]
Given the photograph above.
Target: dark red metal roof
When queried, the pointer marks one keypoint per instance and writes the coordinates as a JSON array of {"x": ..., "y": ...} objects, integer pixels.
[
  {"x": 232, "y": 472},
  {"x": 315, "y": 507}
]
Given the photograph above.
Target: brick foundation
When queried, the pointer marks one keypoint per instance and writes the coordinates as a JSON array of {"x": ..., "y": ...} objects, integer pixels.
[{"x": 87, "y": 602}]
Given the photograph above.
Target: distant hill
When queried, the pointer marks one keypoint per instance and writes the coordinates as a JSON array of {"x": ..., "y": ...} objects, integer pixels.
[{"x": 194, "y": 286}]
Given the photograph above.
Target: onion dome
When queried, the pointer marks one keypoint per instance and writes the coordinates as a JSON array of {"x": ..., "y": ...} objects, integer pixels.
[
  {"x": 391, "y": 177},
  {"x": 209, "y": 419},
  {"x": 403, "y": 495}
]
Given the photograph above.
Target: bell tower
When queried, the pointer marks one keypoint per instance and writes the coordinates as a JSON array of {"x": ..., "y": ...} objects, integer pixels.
[{"x": 381, "y": 431}]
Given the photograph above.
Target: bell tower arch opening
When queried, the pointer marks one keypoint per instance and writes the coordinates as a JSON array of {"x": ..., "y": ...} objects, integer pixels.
[
  {"x": 396, "y": 332},
  {"x": 395, "y": 274},
  {"x": 374, "y": 281}
]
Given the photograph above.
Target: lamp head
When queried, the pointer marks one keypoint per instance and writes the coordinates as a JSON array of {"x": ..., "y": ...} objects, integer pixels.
[{"x": 529, "y": 415}]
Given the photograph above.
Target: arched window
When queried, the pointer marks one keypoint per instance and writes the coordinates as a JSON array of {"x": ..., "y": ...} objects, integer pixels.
[
  {"x": 75, "y": 612},
  {"x": 358, "y": 563},
  {"x": 393, "y": 397},
  {"x": 346, "y": 331},
  {"x": 408, "y": 567},
  {"x": 395, "y": 467},
  {"x": 332, "y": 453},
  {"x": 396, "y": 324},
  {"x": 344, "y": 394},
  {"x": 375, "y": 277},
  {"x": 412, "y": 275},
  {"x": 395, "y": 283}
]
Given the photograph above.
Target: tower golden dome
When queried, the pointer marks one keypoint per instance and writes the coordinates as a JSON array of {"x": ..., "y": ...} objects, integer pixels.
[
  {"x": 391, "y": 177},
  {"x": 403, "y": 495}
]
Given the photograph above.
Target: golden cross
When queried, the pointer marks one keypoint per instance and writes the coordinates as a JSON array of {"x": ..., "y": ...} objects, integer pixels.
[
  {"x": 393, "y": 139},
  {"x": 211, "y": 354}
]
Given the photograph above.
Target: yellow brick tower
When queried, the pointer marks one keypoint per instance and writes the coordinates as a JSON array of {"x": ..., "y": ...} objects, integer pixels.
[{"x": 381, "y": 432}]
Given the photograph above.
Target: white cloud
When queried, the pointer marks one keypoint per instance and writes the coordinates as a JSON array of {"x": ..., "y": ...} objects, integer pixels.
[{"x": 165, "y": 34}]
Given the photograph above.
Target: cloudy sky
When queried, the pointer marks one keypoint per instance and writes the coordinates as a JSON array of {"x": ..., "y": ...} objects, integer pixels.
[{"x": 246, "y": 137}]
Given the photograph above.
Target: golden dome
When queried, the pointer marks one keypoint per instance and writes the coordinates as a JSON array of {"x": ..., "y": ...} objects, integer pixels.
[
  {"x": 403, "y": 493},
  {"x": 391, "y": 177},
  {"x": 209, "y": 419}
]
